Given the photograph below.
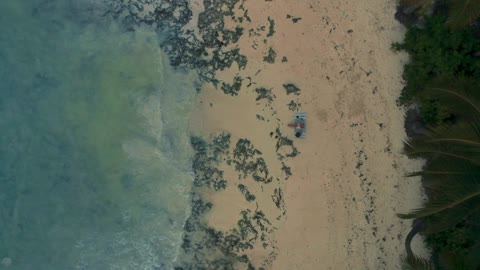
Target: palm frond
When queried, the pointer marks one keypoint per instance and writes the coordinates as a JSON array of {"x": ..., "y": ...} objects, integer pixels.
[
  {"x": 434, "y": 173},
  {"x": 473, "y": 260},
  {"x": 441, "y": 150},
  {"x": 452, "y": 260},
  {"x": 463, "y": 12},
  {"x": 451, "y": 175},
  {"x": 420, "y": 6},
  {"x": 459, "y": 95},
  {"x": 417, "y": 263},
  {"x": 460, "y": 141},
  {"x": 464, "y": 200},
  {"x": 455, "y": 94},
  {"x": 455, "y": 140},
  {"x": 449, "y": 218}
]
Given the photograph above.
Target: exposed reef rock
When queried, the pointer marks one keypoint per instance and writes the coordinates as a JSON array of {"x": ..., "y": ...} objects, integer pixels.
[
  {"x": 207, "y": 53},
  {"x": 247, "y": 162},
  {"x": 271, "y": 55},
  {"x": 205, "y": 247},
  {"x": 291, "y": 89},
  {"x": 212, "y": 47}
]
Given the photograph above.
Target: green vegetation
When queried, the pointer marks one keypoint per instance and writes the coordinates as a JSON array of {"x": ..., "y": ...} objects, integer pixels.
[
  {"x": 436, "y": 51},
  {"x": 443, "y": 79},
  {"x": 461, "y": 13},
  {"x": 451, "y": 178}
]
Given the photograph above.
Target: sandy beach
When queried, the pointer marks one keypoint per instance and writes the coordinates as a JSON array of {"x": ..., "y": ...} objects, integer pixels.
[{"x": 337, "y": 208}]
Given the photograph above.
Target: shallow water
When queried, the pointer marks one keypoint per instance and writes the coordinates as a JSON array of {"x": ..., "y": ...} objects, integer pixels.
[{"x": 94, "y": 148}]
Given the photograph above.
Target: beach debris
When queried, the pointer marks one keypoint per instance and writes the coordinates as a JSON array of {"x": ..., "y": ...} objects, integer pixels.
[
  {"x": 291, "y": 89},
  {"x": 294, "y": 19},
  {"x": 270, "y": 58}
]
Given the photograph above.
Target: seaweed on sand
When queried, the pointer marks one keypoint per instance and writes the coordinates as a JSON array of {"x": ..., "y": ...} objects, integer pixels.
[
  {"x": 264, "y": 93},
  {"x": 271, "y": 28},
  {"x": 248, "y": 195},
  {"x": 234, "y": 88},
  {"x": 183, "y": 47},
  {"x": 205, "y": 155},
  {"x": 270, "y": 58},
  {"x": 246, "y": 161},
  {"x": 291, "y": 89},
  {"x": 283, "y": 141},
  {"x": 294, "y": 106}
]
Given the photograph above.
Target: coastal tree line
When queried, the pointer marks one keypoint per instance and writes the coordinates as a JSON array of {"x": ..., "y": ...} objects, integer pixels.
[{"x": 443, "y": 82}]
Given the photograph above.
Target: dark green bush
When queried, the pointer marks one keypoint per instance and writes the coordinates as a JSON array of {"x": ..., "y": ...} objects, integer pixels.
[
  {"x": 443, "y": 78},
  {"x": 436, "y": 51}
]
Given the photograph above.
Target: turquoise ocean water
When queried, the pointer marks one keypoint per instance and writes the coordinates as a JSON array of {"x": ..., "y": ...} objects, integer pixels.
[{"x": 95, "y": 157}]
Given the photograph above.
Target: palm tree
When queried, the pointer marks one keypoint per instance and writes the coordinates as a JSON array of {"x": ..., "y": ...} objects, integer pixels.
[
  {"x": 419, "y": 6},
  {"x": 463, "y": 12},
  {"x": 451, "y": 176}
]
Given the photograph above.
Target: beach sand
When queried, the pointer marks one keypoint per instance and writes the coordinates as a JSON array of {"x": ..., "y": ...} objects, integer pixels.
[{"x": 338, "y": 208}]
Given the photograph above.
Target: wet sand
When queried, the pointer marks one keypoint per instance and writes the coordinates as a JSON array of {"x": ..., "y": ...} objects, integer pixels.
[{"x": 337, "y": 209}]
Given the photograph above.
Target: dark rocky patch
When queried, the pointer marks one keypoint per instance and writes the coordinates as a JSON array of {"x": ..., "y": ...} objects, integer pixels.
[
  {"x": 407, "y": 16},
  {"x": 291, "y": 89},
  {"x": 270, "y": 58},
  {"x": 205, "y": 247},
  {"x": 183, "y": 48},
  {"x": 271, "y": 28},
  {"x": 247, "y": 162},
  {"x": 264, "y": 93},
  {"x": 248, "y": 195},
  {"x": 283, "y": 141},
  {"x": 207, "y": 155},
  {"x": 277, "y": 198},
  {"x": 294, "y": 19},
  {"x": 294, "y": 106},
  {"x": 244, "y": 15},
  {"x": 234, "y": 88},
  {"x": 414, "y": 126},
  {"x": 256, "y": 32},
  {"x": 166, "y": 15},
  {"x": 287, "y": 170}
]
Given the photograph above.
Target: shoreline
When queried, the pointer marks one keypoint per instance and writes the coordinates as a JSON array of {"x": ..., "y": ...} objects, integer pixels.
[
  {"x": 262, "y": 199},
  {"x": 352, "y": 220}
]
